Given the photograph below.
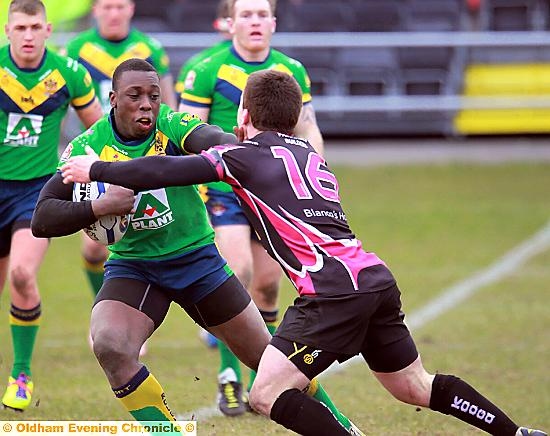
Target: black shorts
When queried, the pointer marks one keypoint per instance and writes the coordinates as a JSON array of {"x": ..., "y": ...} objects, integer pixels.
[
  {"x": 219, "y": 306},
  {"x": 342, "y": 326}
]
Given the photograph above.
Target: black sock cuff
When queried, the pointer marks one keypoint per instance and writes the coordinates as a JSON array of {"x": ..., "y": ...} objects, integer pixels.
[
  {"x": 26, "y": 314},
  {"x": 269, "y": 315},
  {"x": 287, "y": 406},
  {"x": 439, "y": 398},
  {"x": 133, "y": 384}
]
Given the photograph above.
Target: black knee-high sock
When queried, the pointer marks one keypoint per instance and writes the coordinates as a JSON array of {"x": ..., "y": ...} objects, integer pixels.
[
  {"x": 453, "y": 396},
  {"x": 305, "y": 415}
]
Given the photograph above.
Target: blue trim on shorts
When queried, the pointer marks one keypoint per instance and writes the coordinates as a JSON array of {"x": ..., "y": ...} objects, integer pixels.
[
  {"x": 18, "y": 199},
  {"x": 196, "y": 273},
  {"x": 224, "y": 208}
]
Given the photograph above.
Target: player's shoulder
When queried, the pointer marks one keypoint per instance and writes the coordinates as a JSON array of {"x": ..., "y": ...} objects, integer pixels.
[
  {"x": 214, "y": 61},
  {"x": 4, "y": 54},
  {"x": 138, "y": 35},
  {"x": 80, "y": 39},
  {"x": 283, "y": 58}
]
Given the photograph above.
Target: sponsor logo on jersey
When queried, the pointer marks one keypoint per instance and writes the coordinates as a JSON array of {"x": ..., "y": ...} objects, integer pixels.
[
  {"x": 51, "y": 86},
  {"x": 152, "y": 211},
  {"x": 23, "y": 130}
]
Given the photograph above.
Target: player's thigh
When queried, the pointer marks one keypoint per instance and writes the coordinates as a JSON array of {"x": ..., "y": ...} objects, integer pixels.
[
  {"x": 388, "y": 345},
  {"x": 276, "y": 374},
  {"x": 141, "y": 305},
  {"x": 233, "y": 241},
  {"x": 230, "y": 315},
  {"x": 266, "y": 278},
  {"x": 91, "y": 250}
]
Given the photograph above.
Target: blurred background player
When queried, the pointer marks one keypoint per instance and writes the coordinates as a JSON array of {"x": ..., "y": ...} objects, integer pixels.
[
  {"x": 212, "y": 90},
  {"x": 221, "y": 25},
  {"x": 101, "y": 49},
  {"x": 37, "y": 87}
]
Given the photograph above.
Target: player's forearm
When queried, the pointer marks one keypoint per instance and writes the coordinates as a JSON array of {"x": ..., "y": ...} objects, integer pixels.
[
  {"x": 155, "y": 172},
  {"x": 207, "y": 136},
  {"x": 56, "y": 214}
]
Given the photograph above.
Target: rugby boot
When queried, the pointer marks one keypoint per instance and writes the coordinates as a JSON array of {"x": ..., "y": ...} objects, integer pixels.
[
  {"x": 231, "y": 400},
  {"x": 524, "y": 431},
  {"x": 18, "y": 393}
]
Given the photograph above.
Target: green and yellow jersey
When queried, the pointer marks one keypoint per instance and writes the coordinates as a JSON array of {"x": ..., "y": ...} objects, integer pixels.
[
  {"x": 194, "y": 60},
  {"x": 168, "y": 222},
  {"x": 101, "y": 57},
  {"x": 33, "y": 102},
  {"x": 219, "y": 80}
]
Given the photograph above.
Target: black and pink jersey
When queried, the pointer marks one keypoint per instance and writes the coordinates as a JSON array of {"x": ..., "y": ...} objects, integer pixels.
[{"x": 291, "y": 198}]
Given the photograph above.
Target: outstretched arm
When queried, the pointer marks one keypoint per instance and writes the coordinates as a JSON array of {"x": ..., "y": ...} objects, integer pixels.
[{"x": 143, "y": 173}]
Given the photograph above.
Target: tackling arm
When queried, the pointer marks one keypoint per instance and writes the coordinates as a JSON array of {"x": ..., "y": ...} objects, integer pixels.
[
  {"x": 307, "y": 128},
  {"x": 155, "y": 172}
]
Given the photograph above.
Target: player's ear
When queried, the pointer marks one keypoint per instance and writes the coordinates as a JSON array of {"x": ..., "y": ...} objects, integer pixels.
[{"x": 112, "y": 98}]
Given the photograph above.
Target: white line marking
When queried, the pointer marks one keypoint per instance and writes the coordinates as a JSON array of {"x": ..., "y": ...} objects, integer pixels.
[{"x": 448, "y": 299}]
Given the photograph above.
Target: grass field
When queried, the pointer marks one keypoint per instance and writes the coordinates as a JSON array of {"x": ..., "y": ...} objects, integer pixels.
[{"x": 433, "y": 225}]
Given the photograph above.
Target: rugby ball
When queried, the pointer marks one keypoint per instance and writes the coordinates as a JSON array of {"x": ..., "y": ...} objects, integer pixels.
[{"x": 108, "y": 229}]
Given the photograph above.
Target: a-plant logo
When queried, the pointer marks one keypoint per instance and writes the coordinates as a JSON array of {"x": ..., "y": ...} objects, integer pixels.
[
  {"x": 23, "y": 130},
  {"x": 152, "y": 211}
]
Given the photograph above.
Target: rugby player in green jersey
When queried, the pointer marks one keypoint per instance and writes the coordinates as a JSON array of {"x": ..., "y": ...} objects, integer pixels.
[
  {"x": 212, "y": 90},
  {"x": 37, "y": 86},
  {"x": 168, "y": 252},
  {"x": 221, "y": 25},
  {"x": 100, "y": 50}
]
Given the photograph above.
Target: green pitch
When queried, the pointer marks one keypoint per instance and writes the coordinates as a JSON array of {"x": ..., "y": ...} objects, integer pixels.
[{"x": 433, "y": 225}]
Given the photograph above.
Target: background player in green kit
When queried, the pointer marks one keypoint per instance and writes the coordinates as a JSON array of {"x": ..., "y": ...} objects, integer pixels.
[
  {"x": 37, "y": 86},
  {"x": 212, "y": 91},
  {"x": 168, "y": 252},
  {"x": 221, "y": 24},
  {"x": 101, "y": 49}
]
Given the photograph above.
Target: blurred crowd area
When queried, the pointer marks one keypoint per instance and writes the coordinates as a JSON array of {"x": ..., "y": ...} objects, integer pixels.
[{"x": 407, "y": 75}]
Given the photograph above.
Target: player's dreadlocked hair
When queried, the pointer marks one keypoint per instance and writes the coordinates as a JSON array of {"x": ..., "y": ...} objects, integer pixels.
[{"x": 133, "y": 64}]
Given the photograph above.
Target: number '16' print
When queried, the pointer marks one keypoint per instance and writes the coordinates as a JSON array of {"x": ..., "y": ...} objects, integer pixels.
[{"x": 313, "y": 173}]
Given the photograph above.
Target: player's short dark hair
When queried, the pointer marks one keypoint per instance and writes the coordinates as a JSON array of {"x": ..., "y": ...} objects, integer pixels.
[
  {"x": 274, "y": 101},
  {"x": 28, "y": 7},
  {"x": 231, "y": 5},
  {"x": 134, "y": 64}
]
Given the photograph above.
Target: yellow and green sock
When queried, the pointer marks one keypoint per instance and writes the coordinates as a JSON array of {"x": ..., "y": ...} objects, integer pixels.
[
  {"x": 144, "y": 398},
  {"x": 24, "y": 324}
]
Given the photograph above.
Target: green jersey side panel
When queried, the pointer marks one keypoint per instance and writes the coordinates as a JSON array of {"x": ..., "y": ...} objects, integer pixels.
[
  {"x": 168, "y": 221},
  {"x": 217, "y": 83},
  {"x": 101, "y": 57},
  {"x": 33, "y": 104}
]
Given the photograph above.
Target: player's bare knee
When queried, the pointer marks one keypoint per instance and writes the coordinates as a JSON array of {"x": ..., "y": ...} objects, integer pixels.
[
  {"x": 22, "y": 281},
  {"x": 109, "y": 348},
  {"x": 270, "y": 292}
]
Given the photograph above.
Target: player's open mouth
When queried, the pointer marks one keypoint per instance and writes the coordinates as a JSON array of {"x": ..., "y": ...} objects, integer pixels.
[{"x": 145, "y": 122}]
